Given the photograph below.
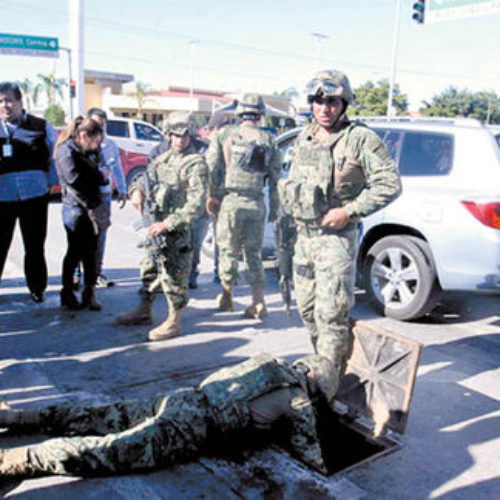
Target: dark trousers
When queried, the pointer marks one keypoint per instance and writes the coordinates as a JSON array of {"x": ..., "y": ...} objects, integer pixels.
[
  {"x": 82, "y": 246},
  {"x": 32, "y": 215}
]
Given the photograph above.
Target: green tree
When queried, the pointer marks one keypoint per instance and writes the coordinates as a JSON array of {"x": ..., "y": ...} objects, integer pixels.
[
  {"x": 52, "y": 86},
  {"x": 484, "y": 105},
  {"x": 371, "y": 99},
  {"x": 55, "y": 115}
]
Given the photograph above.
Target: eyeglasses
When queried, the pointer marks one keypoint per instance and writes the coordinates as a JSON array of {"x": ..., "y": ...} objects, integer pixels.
[{"x": 329, "y": 101}]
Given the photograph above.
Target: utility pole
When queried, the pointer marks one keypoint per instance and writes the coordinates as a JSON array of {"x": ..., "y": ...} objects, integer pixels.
[
  {"x": 70, "y": 79},
  {"x": 76, "y": 34},
  {"x": 320, "y": 37},
  {"x": 394, "y": 58},
  {"x": 192, "y": 43}
]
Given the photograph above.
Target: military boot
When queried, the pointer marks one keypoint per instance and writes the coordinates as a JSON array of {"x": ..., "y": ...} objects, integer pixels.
[
  {"x": 225, "y": 299},
  {"x": 258, "y": 309},
  {"x": 89, "y": 299},
  {"x": 14, "y": 463},
  {"x": 141, "y": 315},
  {"x": 169, "y": 329}
]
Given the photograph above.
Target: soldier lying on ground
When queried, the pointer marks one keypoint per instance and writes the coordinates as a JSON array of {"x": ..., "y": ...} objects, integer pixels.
[{"x": 130, "y": 436}]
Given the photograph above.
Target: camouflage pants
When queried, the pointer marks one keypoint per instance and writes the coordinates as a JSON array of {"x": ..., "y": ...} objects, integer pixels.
[
  {"x": 167, "y": 430},
  {"x": 169, "y": 272},
  {"x": 240, "y": 227},
  {"x": 324, "y": 267}
]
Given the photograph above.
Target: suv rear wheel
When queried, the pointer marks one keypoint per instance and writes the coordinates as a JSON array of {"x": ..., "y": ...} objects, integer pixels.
[{"x": 400, "y": 277}]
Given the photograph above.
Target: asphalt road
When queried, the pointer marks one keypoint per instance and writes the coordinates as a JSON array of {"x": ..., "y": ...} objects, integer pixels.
[{"x": 452, "y": 443}]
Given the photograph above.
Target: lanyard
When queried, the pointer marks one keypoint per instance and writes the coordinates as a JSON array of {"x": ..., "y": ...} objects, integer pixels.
[{"x": 7, "y": 131}]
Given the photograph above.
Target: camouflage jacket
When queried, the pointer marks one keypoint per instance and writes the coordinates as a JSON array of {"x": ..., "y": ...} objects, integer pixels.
[
  {"x": 351, "y": 167},
  {"x": 179, "y": 183},
  {"x": 224, "y": 163}
]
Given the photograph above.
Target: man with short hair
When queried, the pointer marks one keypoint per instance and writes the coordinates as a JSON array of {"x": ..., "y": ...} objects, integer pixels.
[
  {"x": 111, "y": 166},
  {"x": 340, "y": 171},
  {"x": 26, "y": 145},
  {"x": 241, "y": 159},
  {"x": 177, "y": 185}
]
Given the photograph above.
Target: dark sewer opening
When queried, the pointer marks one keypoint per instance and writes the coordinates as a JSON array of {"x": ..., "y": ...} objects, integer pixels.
[{"x": 341, "y": 445}]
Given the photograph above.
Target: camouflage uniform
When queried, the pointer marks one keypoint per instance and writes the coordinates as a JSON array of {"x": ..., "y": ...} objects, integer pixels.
[
  {"x": 181, "y": 180},
  {"x": 178, "y": 180},
  {"x": 132, "y": 436},
  {"x": 237, "y": 178},
  {"x": 350, "y": 168}
]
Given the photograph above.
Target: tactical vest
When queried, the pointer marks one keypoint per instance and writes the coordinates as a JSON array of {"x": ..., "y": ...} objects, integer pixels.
[
  {"x": 247, "y": 154},
  {"x": 325, "y": 174},
  {"x": 230, "y": 390},
  {"x": 29, "y": 149},
  {"x": 170, "y": 193}
]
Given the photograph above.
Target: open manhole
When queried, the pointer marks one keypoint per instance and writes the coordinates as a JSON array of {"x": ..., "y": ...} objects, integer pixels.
[{"x": 372, "y": 405}]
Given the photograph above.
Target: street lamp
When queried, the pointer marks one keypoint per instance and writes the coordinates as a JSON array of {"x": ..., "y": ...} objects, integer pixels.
[
  {"x": 192, "y": 43},
  {"x": 320, "y": 37}
]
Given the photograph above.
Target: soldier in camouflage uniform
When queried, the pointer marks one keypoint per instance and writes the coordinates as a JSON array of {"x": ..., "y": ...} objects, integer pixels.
[
  {"x": 179, "y": 180},
  {"x": 240, "y": 160},
  {"x": 340, "y": 171},
  {"x": 128, "y": 436}
]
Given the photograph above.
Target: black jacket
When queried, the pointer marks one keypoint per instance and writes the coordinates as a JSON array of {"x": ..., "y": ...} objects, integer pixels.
[{"x": 79, "y": 175}]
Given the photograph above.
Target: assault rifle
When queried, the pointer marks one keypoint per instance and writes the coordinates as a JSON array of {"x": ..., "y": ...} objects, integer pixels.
[
  {"x": 286, "y": 233},
  {"x": 150, "y": 213}
]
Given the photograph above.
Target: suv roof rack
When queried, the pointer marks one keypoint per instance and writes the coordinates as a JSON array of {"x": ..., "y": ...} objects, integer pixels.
[{"x": 459, "y": 120}]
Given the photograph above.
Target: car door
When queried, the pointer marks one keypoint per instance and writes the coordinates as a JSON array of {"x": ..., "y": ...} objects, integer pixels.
[{"x": 146, "y": 137}]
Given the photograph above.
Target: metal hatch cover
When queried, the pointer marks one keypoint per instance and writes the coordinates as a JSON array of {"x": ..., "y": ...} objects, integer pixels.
[{"x": 379, "y": 379}]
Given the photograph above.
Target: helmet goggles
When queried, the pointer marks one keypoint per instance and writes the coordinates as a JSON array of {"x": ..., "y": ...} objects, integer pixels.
[{"x": 323, "y": 88}]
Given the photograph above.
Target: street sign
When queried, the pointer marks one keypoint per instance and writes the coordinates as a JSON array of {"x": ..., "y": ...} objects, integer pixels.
[
  {"x": 448, "y": 10},
  {"x": 27, "y": 45}
]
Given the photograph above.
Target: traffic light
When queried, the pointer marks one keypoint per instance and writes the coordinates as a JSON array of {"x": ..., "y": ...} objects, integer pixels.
[
  {"x": 418, "y": 11},
  {"x": 72, "y": 88}
]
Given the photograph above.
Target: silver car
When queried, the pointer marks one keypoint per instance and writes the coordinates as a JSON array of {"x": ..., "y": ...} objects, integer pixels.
[{"x": 443, "y": 232}]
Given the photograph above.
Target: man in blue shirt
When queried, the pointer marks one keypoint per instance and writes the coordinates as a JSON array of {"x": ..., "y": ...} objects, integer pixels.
[
  {"x": 26, "y": 145},
  {"x": 111, "y": 166}
]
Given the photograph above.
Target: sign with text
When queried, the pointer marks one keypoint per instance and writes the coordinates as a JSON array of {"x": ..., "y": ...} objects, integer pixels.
[
  {"x": 27, "y": 45},
  {"x": 448, "y": 10}
]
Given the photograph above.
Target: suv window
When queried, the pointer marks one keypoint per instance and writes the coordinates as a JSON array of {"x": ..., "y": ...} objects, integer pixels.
[
  {"x": 419, "y": 153},
  {"x": 117, "y": 128},
  {"x": 146, "y": 133}
]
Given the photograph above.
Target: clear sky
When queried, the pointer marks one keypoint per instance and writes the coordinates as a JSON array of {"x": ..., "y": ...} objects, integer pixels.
[{"x": 262, "y": 45}]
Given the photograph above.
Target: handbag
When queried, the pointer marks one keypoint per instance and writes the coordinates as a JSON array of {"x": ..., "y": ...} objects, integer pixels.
[{"x": 100, "y": 217}]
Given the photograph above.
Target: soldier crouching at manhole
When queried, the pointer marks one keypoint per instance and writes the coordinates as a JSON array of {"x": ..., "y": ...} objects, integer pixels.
[{"x": 132, "y": 436}]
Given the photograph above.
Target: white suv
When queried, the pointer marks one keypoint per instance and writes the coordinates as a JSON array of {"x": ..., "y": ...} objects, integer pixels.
[
  {"x": 443, "y": 232},
  {"x": 133, "y": 135}
]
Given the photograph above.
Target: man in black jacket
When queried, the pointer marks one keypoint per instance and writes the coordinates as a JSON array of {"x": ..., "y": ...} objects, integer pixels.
[{"x": 26, "y": 144}]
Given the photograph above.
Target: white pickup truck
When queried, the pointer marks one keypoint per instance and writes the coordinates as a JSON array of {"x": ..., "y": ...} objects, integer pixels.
[{"x": 133, "y": 135}]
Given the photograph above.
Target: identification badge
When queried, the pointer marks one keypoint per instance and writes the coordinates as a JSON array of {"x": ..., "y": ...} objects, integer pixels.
[{"x": 7, "y": 150}]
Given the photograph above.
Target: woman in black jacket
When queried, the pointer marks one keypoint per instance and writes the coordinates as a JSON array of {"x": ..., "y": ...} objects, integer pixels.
[{"x": 77, "y": 159}]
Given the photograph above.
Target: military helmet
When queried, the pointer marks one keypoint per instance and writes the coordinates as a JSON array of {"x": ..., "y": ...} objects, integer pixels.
[
  {"x": 180, "y": 122},
  {"x": 330, "y": 83},
  {"x": 326, "y": 374},
  {"x": 251, "y": 103}
]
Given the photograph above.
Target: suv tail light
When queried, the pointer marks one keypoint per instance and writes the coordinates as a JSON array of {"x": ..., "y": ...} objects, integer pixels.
[{"x": 486, "y": 213}]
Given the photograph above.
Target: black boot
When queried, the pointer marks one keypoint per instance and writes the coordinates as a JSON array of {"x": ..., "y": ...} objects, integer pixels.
[
  {"x": 69, "y": 300},
  {"x": 89, "y": 299}
]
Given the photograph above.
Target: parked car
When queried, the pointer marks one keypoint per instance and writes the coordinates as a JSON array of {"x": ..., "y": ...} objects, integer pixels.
[
  {"x": 443, "y": 232},
  {"x": 133, "y": 135},
  {"x": 133, "y": 165}
]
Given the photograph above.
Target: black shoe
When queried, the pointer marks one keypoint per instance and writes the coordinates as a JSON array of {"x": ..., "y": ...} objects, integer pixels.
[
  {"x": 69, "y": 300},
  {"x": 89, "y": 299},
  {"x": 37, "y": 297},
  {"x": 103, "y": 282}
]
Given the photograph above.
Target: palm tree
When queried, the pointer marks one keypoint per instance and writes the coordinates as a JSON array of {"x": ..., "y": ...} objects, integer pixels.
[
  {"x": 29, "y": 91},
  {"x": 52, "y": 86},
  {"x": 139, "y": 94}
]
